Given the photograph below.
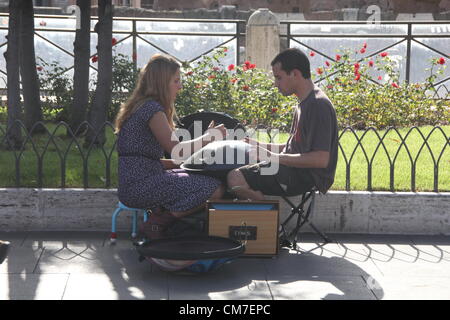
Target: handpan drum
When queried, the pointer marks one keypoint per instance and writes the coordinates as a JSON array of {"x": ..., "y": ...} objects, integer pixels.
[{"x": 219, "y": 157}]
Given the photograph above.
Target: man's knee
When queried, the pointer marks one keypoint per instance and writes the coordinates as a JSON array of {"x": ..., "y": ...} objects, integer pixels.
[{"x": 235, "y": 178}]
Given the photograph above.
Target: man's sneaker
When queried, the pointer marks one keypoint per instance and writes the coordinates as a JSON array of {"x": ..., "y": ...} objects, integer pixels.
[{"x": 4, "y": 248}]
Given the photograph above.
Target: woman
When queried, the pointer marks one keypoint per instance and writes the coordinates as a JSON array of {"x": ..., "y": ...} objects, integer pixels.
[{"x": 145, "y": 125}]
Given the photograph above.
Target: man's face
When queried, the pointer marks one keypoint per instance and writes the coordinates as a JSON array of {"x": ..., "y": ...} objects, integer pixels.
[{"x": 283, "y": 81}]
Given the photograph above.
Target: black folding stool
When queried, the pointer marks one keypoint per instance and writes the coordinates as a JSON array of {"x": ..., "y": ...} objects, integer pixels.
[{"x": 289, "y": 239}]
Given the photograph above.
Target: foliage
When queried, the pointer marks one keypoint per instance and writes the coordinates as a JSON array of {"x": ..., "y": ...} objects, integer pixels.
[
  {"x": 244, "y": 92},
  {"x": 123, "y": 82},
  {"x": 57, "y": 87},
  {"x": 56, "y": 90},
  {"x": 367, "y": 92}
]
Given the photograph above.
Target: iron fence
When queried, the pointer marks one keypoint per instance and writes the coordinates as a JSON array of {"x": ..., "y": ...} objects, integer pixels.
[
  {"x": 141, "y": 38},
  {"x": 377, "y": 151}
]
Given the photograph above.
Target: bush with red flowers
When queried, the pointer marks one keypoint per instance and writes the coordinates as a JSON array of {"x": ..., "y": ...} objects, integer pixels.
[
  {"x": 368, "y": 93},
  {"x": 56, "y": 86},
  {"x": 242, "y": 91}
]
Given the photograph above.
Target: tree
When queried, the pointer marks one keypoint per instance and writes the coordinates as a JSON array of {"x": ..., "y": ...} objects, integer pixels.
[
  {"x": 28, "y": 72},
  {"x": 78, "y": 109},
  {"x": 13, "y": 130},
  {"x": 102, "y": 95}
]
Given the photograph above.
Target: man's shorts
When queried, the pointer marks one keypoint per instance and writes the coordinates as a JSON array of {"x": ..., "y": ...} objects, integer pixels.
[{"x": 288, "y": 181}]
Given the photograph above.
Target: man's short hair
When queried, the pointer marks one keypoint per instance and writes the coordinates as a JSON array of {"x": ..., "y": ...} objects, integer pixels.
[{"x": 291, "y": 59}]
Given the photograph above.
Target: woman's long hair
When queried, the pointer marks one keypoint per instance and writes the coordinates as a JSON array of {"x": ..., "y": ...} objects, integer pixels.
[{"x": 153, "y": 84}]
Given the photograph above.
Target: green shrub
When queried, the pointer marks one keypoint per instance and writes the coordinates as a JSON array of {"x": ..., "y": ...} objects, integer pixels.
[
  {"x": 367, "y": 93},
  {"x": 243, "y": 91}
]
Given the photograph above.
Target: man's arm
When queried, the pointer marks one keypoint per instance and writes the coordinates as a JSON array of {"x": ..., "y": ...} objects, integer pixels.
[
  {"x": 274, "y": 147},
  {"x": 312, "y": 159}
]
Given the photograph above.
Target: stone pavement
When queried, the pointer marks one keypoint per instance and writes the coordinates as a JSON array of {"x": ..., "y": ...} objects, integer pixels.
[{"x": 83, "y": 265}]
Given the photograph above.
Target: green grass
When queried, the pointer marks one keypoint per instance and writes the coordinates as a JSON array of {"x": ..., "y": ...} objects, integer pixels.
[
  {"x": 96, "y": 171},
  {"x": 52, "y": 153},
  {"x": 359, "y": 149}
]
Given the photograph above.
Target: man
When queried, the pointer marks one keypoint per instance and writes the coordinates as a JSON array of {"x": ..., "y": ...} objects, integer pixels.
[
  {"x": 4, "y": 247},
  {"x": 309, "y": 157}
]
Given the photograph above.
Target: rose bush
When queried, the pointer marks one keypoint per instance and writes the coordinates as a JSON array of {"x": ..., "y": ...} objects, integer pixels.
[
  {"x": 367, "y": 92},
  {"x": 242, "y": 91}
]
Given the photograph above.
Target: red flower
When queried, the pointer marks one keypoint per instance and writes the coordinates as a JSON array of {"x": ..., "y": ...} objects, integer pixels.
[
  {"x": 383, "y": 54},
  {"x": 94, "y": 59},
  {"x": 441, "y": 60},
  {"x": 338, "y": 57},
  {"x": 356, "y": 65},
  {"x": 252, "y": 66},
  {"x": 312, "y": 54},
  {"x": 212, "y": 77},
  {"x": 370, "y": 63},
  {"x": 189, "y": 73},
  {"x": 327, "y": 63},
  {"x": 319, "y": 71},
  {"x": 363, "y": 50},
  {"x": 233, "y": 80},
  {"x": 395, "y": 85},
  {"x": 245, "y": 88},
  {"x": 274, "y": 110},
  {"x": 365, "y": 45},
  {"x": 231, "y": 67},
  {"x": 225, "y": 49},
  {"x": 358, "y": 76},
  {"x": 114, "y": 41},
  {"x": 380, "y": 78},
  {"x": 39, "y": 68},
  {"x": 247, "y": 65}
]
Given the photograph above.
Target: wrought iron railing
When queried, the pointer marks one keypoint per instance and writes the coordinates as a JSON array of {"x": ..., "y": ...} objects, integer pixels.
[
  {"x": 373, "y": 150},
  {"x": 133, "y": 32}
]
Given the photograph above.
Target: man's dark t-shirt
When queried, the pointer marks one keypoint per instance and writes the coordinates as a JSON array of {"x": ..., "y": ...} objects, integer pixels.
[{"x": 314, "y": 128}]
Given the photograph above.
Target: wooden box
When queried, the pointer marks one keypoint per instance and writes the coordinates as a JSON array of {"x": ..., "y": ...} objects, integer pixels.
[{"x": 253, "y": 221}]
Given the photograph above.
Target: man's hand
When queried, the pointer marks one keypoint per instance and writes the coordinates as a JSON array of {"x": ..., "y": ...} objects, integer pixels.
[{"x": 218, "y": 132}]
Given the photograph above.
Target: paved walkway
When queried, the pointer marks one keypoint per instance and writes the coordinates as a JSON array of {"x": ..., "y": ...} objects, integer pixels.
[{"x": 83, "y": 265}]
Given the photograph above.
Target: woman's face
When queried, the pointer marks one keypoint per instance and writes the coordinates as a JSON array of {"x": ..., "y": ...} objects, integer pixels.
[{"x": 175, "y": 85}]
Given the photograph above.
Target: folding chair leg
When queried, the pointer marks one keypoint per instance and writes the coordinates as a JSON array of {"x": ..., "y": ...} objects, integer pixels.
[{"x": 302, "y": 218}]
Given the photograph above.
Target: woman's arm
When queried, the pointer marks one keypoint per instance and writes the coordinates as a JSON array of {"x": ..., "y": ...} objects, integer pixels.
[{"x": 170, "y": 143}]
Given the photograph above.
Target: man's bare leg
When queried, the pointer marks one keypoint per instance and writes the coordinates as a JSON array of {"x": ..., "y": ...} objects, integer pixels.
[{"x": 238, "y": 185}]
